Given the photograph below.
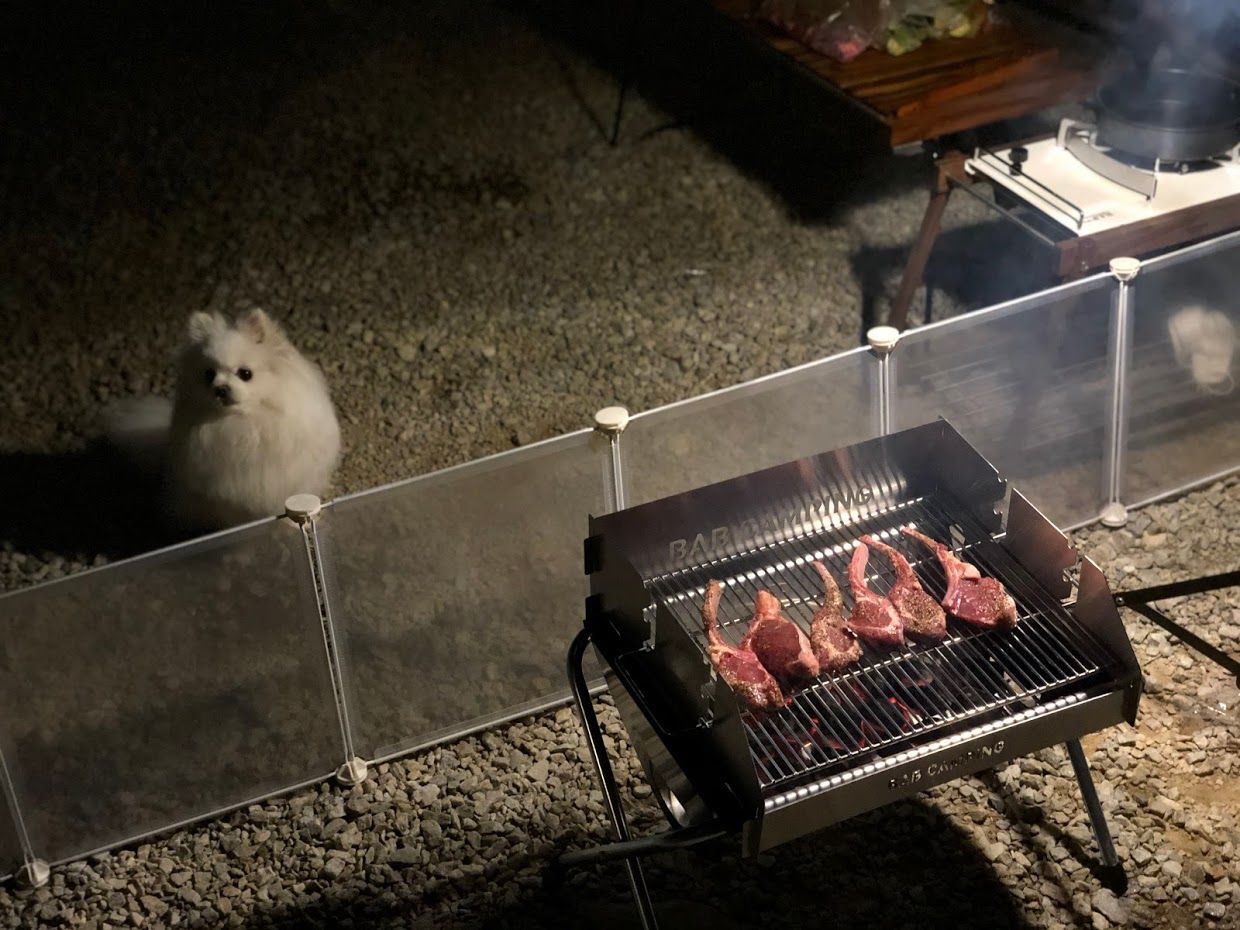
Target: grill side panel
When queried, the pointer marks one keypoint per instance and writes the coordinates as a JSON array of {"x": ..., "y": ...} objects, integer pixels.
[{"x": 763, "y": 508}]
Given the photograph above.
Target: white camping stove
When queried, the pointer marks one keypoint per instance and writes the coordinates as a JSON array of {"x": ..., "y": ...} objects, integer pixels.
[{"x": 1088, "y": 188}]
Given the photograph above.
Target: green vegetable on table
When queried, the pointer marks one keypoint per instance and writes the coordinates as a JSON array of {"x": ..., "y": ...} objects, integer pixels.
[{"x": 958, "y": 19}]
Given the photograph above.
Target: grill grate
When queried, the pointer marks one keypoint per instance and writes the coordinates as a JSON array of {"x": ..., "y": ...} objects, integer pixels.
[{"x": 892, "y": 696}]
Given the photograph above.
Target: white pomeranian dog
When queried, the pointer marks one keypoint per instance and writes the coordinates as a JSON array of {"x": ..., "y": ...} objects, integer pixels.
[{"x": 252, "y": 424}]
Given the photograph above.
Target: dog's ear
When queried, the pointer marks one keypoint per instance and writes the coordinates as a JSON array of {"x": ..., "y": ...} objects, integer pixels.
[
  {"x": 259, "y": 327},
  {"x": 203, "y": 325}
]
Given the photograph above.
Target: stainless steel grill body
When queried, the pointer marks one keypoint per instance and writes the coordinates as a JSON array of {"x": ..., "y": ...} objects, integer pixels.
[{"x": 900, "y": 720}]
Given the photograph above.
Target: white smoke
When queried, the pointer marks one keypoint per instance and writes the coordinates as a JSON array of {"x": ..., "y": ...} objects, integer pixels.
[{"x": 1197, "y": 34}]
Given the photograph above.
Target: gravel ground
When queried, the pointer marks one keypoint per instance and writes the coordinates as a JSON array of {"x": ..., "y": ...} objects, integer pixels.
[
  {"x": 461, "y": 835},
  {"x": 425, "y": 199}
]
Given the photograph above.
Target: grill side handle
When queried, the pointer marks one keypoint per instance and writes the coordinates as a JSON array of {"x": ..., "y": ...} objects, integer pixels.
[
  {"x": 1048, "y": 555},
  {"x": 1039, "y": 546},
  {"x": 950, "y": 463},
  {"x": 618, "y": 597}
]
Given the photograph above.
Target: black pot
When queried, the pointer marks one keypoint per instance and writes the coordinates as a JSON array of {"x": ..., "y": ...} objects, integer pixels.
[{"x": 1169, "y": 114}]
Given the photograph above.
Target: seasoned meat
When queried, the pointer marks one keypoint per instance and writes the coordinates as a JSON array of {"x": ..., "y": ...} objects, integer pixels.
[
  {"x": 923, "y": 617},
  {"x": 975, "y": 599},
  {"x": 873, "y": 617},
  {"x": 739, "y": 667},
  {"x": 834, "y": 646},
  {"x": 778, "y": 642}
]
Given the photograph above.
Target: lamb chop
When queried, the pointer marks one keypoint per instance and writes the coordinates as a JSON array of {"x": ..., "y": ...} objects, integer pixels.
[
  {"x": 983, "y": 602},
  {"x": 779, "y": 643},
  {"x": 922, "y": 615},
  {"x": 873, "y": 617},
  {"x": 738, "y": 666},
  {"x": 835, "y": 649}
]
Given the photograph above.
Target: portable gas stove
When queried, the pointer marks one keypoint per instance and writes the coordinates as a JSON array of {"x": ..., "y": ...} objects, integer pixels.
[
  {"x": 897, "y": 721},
  {"x": 1086, "y": 202},
  {"x": 1089, "y": 188}
]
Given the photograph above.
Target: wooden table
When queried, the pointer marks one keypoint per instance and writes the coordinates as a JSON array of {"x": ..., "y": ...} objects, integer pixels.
[{"x": 1014, "y": 68}]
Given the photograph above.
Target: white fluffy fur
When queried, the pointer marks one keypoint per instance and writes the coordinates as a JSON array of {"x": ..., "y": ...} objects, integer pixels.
[{"x": 238, "y": 448}]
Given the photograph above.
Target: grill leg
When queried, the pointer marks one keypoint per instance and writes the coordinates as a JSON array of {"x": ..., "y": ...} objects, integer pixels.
[
  {"x": 1113, "y": 876},
  {"x": 602, "y": 765}
]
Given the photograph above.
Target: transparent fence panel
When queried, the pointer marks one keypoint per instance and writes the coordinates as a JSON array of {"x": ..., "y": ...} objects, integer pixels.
[
  {"x": 164, "y": 688},
  {"x": 1028, "y": 384},
  {"x": 812, "y": 409},
  {"x": 1184, "y": 401},
  {"x": 455, "y": 595}
]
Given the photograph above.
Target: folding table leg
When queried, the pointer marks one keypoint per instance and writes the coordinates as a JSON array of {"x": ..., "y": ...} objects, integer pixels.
[
  {"x": 627, "y": 67},
  {"x": 915, "y": 270}
]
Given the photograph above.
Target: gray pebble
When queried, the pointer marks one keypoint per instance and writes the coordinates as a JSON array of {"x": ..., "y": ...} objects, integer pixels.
[
  {"x": 405, "y": 855},
  {"x": 333, "y": 869},
  {"x": 1107, "y": 904},
  {"x": 432, "y": 832}
]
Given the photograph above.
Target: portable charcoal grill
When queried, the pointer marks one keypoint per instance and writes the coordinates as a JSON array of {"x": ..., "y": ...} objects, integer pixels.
[{"x": 894, "y": 724}]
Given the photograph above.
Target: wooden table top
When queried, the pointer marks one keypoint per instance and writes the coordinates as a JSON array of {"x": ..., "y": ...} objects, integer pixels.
[{"x": 1015, "y": 67}]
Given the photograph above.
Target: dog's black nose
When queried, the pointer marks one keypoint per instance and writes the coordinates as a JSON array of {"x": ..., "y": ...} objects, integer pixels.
[{"x": 222, "y": 392}]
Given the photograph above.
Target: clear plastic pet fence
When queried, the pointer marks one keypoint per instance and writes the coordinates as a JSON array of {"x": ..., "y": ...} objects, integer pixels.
[{"x": 170, "y": 687}]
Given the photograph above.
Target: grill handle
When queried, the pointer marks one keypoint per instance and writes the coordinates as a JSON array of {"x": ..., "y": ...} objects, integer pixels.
[{"x": 655, "y": 704}]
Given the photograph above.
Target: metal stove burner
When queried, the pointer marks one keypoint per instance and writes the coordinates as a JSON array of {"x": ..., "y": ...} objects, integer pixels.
[
  {"x": 1154, "y": 166},
  {"x": 1135, "y": 172}
]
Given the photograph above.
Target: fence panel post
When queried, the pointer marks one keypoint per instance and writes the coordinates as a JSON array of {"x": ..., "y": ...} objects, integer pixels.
[
  {"x": 304, "y": 510},
  {"x": 34, "y": 872},
  {"x": 882, "y": 340},
  {"x": 1114, "y": 511},
  {"x": 610, "y": 422}
]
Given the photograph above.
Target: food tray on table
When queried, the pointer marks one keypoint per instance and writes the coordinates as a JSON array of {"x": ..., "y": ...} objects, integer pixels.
[{"x": 1017, "y": 66}]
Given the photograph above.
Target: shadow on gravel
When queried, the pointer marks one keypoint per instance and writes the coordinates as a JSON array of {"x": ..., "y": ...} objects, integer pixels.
[
  {"x": 79, "y": 504},
  {"x": 904, "y": 866},
  {"x": 971, "y": 267},
  {"x": 1027, "y": 819},
  {"x": 138, "y": 106},
  {"x": 815, "y": 151}
]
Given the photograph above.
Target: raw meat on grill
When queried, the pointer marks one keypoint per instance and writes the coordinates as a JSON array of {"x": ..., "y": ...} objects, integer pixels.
[
  {"x": 833, "y": 646},
  {"x": 923, "y": 617},
  {"x": 778, "y": 642},
  {"x": 975, "y": 599},
  {"x": 873, "y": 617},
  {"x": 739, "y": 666}
]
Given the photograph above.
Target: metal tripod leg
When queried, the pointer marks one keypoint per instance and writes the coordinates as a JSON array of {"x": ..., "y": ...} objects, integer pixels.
[
  {"x": 1142, "y": 602},
  {"x": 1113, "y": 876},
  {"x": 1189, "y": 638},
  {"x": 602, "y": 765}
]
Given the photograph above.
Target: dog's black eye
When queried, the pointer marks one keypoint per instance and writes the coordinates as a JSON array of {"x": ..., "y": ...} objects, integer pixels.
[
  {"x": 209, "y": 375},
  {"x": 244, "y": 374}
]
